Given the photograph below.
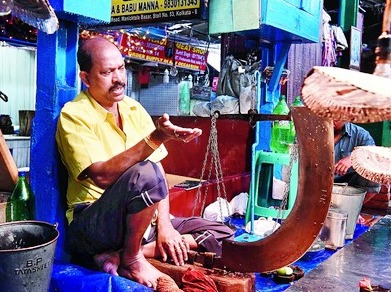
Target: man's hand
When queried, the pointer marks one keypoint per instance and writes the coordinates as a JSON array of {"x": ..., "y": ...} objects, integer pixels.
[
  {"x": 172, "y": 245},
  {"x": 166, "y": 130},
  {"x": 343, "y": 165}
]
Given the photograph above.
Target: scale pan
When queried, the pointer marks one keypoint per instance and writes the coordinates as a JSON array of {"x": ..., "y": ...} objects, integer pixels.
[
  {"x": 347, "y": 95},
  {"x": 373, "y": 163}
]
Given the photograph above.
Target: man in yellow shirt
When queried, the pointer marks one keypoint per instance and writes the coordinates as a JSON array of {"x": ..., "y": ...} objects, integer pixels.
[{"x": 116, "y": 184}]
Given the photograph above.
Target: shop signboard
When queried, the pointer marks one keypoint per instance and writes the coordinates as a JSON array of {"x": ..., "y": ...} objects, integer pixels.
[
  {"x": 125, "y": 12},
  {"x": 163, "y": 51}
]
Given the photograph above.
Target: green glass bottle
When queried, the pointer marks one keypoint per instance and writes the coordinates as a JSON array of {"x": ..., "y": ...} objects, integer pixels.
[
  {"x": 281, "y": 130},
  {"x": 297, "y": 101},
  {"x": 21, "y": 204}
]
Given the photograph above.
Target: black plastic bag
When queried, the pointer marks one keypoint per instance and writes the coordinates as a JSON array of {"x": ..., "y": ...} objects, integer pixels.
[{"x": 229, "y": 78}]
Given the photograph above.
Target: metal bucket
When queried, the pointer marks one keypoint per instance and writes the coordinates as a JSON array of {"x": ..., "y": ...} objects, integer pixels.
[
  {"x": 348, "y": 199},
  {"x": 334, "y": 228},
  {"x": 26, "y": 255}
]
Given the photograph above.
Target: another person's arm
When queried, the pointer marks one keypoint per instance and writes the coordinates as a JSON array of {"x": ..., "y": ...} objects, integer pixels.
[
  {"x": 360, "y": 137},
  {"x": 342, "y": 166}
]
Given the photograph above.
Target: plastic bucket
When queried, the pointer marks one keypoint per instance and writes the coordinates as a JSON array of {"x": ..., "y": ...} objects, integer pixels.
[
  {"x": 26, "y": 255},
  {"x": 348, "y": 199}
]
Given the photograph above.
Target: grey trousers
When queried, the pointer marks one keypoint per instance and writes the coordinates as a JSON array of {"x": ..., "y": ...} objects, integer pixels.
[
  {"x": 209, "y": 235},
  {"x": 100, "y": 226}
]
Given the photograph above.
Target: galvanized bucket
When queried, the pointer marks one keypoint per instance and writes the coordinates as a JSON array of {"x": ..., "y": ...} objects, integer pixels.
[
  {"x": 334, "y": 228},
  {"x": 348, "y": 199},
  {"x": 26, "y": 255}
]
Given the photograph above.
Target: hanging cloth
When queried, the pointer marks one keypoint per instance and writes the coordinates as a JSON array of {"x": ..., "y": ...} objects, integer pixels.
[
  {"x": 329, "y": 57},
  {"x": 340, "y": 39}
]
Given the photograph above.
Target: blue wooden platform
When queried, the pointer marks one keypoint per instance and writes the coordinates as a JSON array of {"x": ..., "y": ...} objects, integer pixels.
[{"x": 69, "y": 277}]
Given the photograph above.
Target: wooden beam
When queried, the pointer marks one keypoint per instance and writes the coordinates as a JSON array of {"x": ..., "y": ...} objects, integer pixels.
[{"x": 225, "y": 281}]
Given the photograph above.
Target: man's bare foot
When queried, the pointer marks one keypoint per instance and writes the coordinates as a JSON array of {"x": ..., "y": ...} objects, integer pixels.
[
  {"x": 140, "y": 270},
  {"x": 108, "y": 262}
]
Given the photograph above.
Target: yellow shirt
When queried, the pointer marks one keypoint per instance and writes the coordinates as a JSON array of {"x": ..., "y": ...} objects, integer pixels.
[{"x": 87, "y": 133}]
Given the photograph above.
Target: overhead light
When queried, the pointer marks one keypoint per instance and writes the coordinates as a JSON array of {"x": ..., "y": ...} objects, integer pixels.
[
  {"x": 178, "y": 26},
  {"x": 151, "y": 64}
]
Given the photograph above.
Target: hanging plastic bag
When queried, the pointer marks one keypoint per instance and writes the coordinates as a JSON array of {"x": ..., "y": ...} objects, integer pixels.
[
  {"x": 225, "y": 104},
  {"x": 247, "y": 99},
  {"x": 278, "y": 189},
  {"x": 229, "y": 78},
  {"x": 263, "y": 227},
  {"x": 202, "y": 109},
  {"x": 239, "y": 204},
  {"x": 218, "y": 210}
]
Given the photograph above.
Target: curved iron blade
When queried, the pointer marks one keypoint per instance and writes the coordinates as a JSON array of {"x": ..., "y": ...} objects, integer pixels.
[{"x": 295, "y": 236}]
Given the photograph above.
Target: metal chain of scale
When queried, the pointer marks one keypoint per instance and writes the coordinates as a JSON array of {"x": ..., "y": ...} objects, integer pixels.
[
  {"x": 213, "y": 150},
  {"x": 294, "y": 153}
]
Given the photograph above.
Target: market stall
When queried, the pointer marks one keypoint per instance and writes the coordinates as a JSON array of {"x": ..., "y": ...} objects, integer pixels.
[{"x": 57, "y": 55}]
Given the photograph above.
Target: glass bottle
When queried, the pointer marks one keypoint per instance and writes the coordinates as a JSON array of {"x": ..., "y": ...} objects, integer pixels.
[
  {"x": 21, "y": 204},
  {"x": 281, "y": 130},
  {"x": 296, "y": 102}
]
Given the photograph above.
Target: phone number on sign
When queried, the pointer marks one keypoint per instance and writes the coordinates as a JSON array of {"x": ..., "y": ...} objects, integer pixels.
[{"x": 179, "y": 3}]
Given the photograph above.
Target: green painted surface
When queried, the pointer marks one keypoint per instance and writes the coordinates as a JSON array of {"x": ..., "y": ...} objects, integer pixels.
[
  {"x": 386, "y": 139},
  {"x": 348, "y": 14},
  {"x": 381, "y": 132}
]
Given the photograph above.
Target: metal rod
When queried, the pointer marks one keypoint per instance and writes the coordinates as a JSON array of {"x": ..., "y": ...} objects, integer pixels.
[{"x": 255, "y": 117}]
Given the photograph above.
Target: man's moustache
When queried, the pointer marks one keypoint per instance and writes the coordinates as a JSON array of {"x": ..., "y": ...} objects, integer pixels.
[{"x": 122, "y": 84}]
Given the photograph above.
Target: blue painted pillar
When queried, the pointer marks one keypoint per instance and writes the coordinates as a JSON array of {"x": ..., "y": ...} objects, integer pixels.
[
  {"x": 272, "y": 55},
  {"x": 56, "y": 84}
]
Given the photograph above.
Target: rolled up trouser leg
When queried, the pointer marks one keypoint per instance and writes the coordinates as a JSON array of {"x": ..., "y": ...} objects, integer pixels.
[{"x": 101, "y": 226}]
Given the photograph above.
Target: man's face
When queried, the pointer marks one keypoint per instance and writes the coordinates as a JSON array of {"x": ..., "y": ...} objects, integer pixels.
[
  {"x": 338, "y": 125},
  {"x": 106, "y": 81}
]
